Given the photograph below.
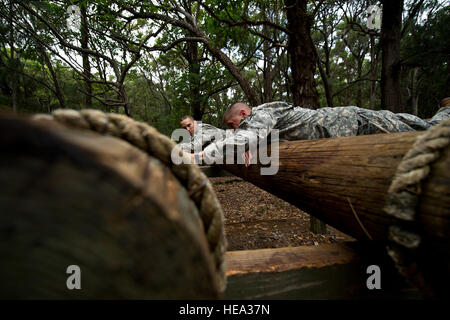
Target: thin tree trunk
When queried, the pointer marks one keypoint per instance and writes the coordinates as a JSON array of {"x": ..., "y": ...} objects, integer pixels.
[
  {"x": 373, "y": 72},
  {"x": 415, "y": 91},
  {"x": 191, "y": 55},
  {"x": 325, "y": 76},
  {"x": 86, "y": 65},
  {"x": 268, "y": 78},
  {"x": 303, "y": 55},
  {"x": 58, "y": 91},
  {"x": 14, "y": 85},
  {"x": 390, "y": 43},
  {"x": 126, "y": 104},
  {"x": 194, "y": 80},
  {"x": 359, "y": 99},
  {"x": 267, "y": 72},
  {"x": 448, "y": 76}
]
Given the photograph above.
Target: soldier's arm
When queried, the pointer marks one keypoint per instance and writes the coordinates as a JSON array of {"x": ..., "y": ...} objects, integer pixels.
[
  {"x": 209, "y": 135},
  {"x": 186, "y": 147},
  {"x": 441, "y": 115},
  {"x": 257, "y": 126},
  {"x": 414, "y": 122}
]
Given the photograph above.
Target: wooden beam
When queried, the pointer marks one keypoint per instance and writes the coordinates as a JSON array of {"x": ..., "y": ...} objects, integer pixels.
[
  {"x": 344, "y": 182},
  {"x": 289, "y": 258},
  {"x": 329, "y": 271}
]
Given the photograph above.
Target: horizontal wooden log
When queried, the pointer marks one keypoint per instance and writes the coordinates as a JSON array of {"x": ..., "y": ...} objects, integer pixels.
[
  {"x": 344, "y": 182},
  {"x": 75, "y": 198},
  {"x": 329, "y": 271},
  {"x": 288, "y": 258}
]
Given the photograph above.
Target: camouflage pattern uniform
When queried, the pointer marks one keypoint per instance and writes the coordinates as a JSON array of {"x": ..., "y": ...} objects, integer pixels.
[
  {"x": 204, "y": 134},
  {"x": 296, "y": 123}
]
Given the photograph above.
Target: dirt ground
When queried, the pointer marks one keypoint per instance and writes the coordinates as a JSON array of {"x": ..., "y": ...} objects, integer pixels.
[{"x": 263, "y": 220}]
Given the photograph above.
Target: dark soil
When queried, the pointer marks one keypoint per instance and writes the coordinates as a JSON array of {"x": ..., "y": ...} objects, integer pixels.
[{"x": 256, "y": 219}]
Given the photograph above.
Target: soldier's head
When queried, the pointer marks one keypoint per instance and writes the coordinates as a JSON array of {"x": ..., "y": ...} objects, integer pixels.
[
  {"x": 188, "y": 123},
  {"x": 235, "y": 113}
]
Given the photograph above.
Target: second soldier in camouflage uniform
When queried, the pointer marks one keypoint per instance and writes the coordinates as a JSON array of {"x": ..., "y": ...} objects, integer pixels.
[{"x": 201, "y": 134}]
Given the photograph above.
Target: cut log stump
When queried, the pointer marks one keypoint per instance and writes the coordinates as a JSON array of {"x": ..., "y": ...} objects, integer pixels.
[{"x": 70, "y": 197}]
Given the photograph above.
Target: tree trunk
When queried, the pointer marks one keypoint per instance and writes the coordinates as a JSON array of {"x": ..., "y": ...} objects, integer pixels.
[
  {"x": 415, "y": 91},
  {"x": 373, "y": 72},
  {"x": 267, "y": 71},
  {"x": 86, "y": 65},
  {"x": 268, "y": 74},
  {"x": 124, "y": 97},
  {"x": 448, "y": 76},
  {"x": 58, "y": 92},
  {"x": 303, "y": 55},
  {"x": 391, "y": 27},
  {"x": 14, "y": 78},
  {"x": 194, "y": 80},
  {"x": 325, "y": 76},
  {"x": 359, "y": 100}
]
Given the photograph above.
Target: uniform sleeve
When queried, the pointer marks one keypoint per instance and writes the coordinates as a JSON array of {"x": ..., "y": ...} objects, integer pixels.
[
  {"x": 255, "y": 127},
  {"x": 207, "y": 135},
  {"x": 186, "y": 146},
  {"x": 441, "y": 115},
  {"x": 414, "y": 122}
]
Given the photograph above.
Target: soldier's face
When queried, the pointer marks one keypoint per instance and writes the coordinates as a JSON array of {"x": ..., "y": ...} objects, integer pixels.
[
  {"x": 233, "y": 122},
  {"x": 189, "y": 125}
]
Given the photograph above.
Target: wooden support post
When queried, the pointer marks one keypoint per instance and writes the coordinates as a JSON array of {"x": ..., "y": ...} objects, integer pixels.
[{"x": 317, "y": 226}]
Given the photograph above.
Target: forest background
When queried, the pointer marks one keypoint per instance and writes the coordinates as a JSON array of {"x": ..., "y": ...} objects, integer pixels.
[{"x": 159, "y": 60}]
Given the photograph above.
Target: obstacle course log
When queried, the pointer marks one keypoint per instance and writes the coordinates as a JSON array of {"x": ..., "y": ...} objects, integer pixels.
[
  {"x": 329, "y": 177},
  {"x": 69, "y": 197},
  {"x": 345, "y": 182}
]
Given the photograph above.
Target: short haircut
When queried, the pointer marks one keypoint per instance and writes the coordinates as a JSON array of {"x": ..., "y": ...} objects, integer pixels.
[
  {"x": 186, "y": 117},
  {"x": 234, "y": 109}
]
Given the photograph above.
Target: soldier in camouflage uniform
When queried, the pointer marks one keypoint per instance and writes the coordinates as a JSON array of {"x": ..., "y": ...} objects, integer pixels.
[
  {"x": 201, "y": 134},
  {"x": 297, "y": 123}
]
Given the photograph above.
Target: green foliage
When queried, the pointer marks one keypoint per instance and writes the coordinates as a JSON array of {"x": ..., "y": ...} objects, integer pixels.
[{"x": 161, "y": 86}]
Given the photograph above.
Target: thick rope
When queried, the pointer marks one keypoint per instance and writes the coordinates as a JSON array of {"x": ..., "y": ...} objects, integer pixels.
[
  {"x": 404, "y": 193},
  {"x": 414, "y": 168},
  {"x": 148, "y": 139}
]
